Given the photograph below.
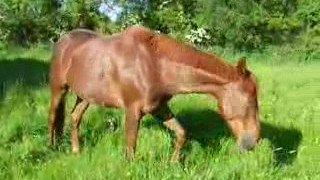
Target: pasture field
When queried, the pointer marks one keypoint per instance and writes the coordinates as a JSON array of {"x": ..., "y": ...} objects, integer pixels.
[{"x": 289, "y": 99}]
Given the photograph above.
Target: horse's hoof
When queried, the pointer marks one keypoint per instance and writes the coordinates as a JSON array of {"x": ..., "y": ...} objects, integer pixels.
[
  {"x": 174, "y": 159},
  {"x": 129, "y": 154},
  {"x": 75, "y": 151}
]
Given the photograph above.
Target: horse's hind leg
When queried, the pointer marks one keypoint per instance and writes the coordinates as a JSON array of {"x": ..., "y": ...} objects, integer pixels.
[{"x": 76, "y": 115}]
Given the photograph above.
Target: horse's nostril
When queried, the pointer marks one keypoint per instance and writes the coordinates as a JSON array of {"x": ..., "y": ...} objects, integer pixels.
[{"x": 247, "y": 141}]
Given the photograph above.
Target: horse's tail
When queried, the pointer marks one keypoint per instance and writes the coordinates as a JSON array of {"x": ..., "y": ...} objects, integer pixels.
[
  {"x": 58, "y": 91},
  {"x": 56, "y": 120}
]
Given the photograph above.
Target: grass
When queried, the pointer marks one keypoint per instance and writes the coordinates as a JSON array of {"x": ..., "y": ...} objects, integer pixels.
[{"x": 289, "y": 104}]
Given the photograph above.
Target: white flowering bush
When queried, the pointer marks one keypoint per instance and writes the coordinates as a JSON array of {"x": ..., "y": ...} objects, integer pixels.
[{"x": 198, "y": 36}]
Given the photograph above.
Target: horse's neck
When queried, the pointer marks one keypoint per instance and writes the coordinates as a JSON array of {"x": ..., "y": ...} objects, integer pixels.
[
  {"x": 185, "y": 69},
  {"x": 187, "y": 55},
  {"x": 181, "y": 78}
]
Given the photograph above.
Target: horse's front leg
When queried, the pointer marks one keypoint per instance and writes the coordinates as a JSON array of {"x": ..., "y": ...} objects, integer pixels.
[
  {"x": 132, "y": 117},
  {"x": 173, "y": 125},
  {"x": 76, "y": 115},
  {"x": 164, "y": 114}
]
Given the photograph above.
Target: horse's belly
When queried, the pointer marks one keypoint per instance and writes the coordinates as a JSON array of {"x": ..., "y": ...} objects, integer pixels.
[
  {"x": 100, "y": 95},
  {"x": 100, "y": 91}
]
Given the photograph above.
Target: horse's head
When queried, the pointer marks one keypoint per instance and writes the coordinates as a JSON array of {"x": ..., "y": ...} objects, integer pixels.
[{"x": 239, "y": 106}]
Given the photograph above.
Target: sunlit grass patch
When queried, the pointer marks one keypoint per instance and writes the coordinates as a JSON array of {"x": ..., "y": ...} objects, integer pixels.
[{"x": 289, "y": 148}]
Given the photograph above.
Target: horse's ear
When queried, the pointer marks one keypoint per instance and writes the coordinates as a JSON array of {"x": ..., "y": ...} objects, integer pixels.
[{"x": 242, "y": 65}]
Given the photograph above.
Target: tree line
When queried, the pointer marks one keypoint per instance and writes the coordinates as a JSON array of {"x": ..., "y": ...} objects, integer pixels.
[{"x": 239, "y": 24}]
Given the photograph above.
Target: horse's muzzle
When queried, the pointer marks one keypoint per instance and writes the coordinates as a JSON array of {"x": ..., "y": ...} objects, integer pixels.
[{"x": 247, "y": 141}]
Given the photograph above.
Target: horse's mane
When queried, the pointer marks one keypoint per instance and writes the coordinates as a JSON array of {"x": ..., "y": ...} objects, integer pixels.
[
  {"x": 188, "y": 55},
  {"x": 179, "y": 52}
]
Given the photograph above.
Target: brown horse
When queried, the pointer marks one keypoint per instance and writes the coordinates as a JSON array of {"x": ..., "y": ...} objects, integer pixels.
[{"x": 139, "y": 70}]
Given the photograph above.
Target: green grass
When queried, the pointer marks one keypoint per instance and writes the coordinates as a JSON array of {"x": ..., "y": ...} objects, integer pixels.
[{"x": 290, "y": 147}]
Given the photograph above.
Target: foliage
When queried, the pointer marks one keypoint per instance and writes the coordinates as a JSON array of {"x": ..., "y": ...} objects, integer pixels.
[
  {"x": 168, "y": 16},
  {"x": 309, "y": 14},
  {"x": 26, "y": 21},
  {"x": 239, "y": 24},
  {"x": 250, "y": 24}
]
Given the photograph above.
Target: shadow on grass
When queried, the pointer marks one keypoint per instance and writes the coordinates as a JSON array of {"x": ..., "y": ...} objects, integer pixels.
[
  {"x": 207, "y": 127},
  {"x": 285, "y": 142},
  {"x": 29, "y": 72}
]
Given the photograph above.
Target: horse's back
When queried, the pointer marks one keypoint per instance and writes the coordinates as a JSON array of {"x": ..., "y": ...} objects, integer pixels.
[{"x": 75, "y": 38}]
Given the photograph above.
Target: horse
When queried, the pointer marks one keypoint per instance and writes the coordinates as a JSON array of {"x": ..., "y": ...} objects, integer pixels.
[{"x": 139, "y": 70}]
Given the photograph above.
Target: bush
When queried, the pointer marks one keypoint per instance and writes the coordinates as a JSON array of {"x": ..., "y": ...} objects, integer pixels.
[
  {"x": 250, "y": 24},
  {"x": 236, "y": 24},
  {"x": 309, "y": 14},
  {"x": 26, "y": 22}
]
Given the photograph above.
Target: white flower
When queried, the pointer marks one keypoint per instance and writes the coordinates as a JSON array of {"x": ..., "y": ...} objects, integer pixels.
[{"x": 198, "y": 35}]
